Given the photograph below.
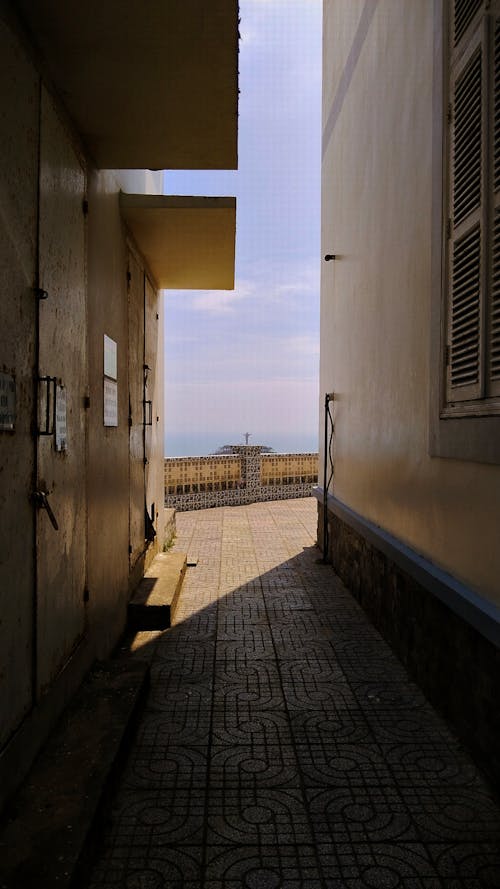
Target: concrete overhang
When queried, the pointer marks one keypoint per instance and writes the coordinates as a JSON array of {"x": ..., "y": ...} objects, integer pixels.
[
  {"x": 188, "y": 242},
  {"x": 149, "y": 85}
]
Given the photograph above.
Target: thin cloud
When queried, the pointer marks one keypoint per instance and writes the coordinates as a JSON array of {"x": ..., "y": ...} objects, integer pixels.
[
  {"x": 247, "y": 355},
  {"x": 222, "y": 302}
]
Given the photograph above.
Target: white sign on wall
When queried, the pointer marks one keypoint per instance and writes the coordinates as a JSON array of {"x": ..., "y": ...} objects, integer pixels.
[
  {"x": 110, "y": 382},
  {"x": 110, "y": 358},
  {"x": 110, "y": 402}
]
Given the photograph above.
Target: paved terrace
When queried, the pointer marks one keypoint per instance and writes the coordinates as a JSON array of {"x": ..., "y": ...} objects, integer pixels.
[{"x": 283, "y": 745}]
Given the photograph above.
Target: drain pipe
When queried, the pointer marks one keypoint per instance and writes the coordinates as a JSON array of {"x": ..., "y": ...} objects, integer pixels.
[{"x": 327, "y": 457}]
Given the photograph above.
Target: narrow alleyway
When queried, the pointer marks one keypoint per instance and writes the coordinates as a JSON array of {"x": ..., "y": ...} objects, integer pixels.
[{"x": 283, "y": 744}]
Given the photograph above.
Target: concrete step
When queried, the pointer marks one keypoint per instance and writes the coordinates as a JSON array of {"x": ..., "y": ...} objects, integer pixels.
[
  {"x": 153, "y": 604},
  {"x": 47, "y": 836}
]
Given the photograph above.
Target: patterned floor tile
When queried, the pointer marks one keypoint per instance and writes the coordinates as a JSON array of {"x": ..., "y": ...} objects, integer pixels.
[
  {"x": 289, "y": 642},
  {"x": 392, "y": 692},
  {"x": 248, "y": 646},
  {"x": 178, "y": 691},
  {"x": 257, "y": 684},
  {"x": 185, "y": 654},
  {"x": 199, "y": 626},
  {"x": 156, "y": 818},
  {"x": 174, "y": 766},
  {"x": 314, "y": 665},
  {"x": 378, "y": 866},
  {"x": 187, "y": 669},
  {"x": 261, "y": 867},
  {"x": 236, "y": 613},
  {"x": 428, "y": 761},
  {"x": 132, "y": 868},
  {"x": 234, "y": 629},
  {"x": 303, "y": 623},
  {"x": 266, "y": 816},
  {"x": 340, "y": 724},
  {"x": 447, "y": 814},
  {"x": 367, "y": 657},
  {"x": 301, "y": 696},
  {"x": 177, "y": 723},
  {"x": 265, "y": 727},
  {"x": 394, "y": 721},
  {"x": 292, "y": 593},
  {"x": 343, "y": 765},
  {"x": 467, "y": 865},
  {"x": 283, "y": 746},
  {"x": 369, "y": 814},
  {"x": 253, "y": 765},
  {"x": 233, "y": 660}
]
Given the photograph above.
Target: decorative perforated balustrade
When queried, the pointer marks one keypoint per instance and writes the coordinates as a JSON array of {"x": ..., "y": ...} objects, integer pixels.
[{"x": 245, "y": 476}]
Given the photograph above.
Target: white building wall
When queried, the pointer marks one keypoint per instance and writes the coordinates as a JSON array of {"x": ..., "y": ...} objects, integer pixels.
[{"x": 375, "y": 309}]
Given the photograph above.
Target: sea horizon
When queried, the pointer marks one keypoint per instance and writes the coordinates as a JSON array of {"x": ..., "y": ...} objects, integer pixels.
[{"x": 188, "y": 445}]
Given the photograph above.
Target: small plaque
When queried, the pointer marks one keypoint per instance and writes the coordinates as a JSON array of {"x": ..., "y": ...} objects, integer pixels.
[
  {"x": 110, "y": 358},
  {"x": 7, "y": 402},
  {"x": 110, "y": 402},
  {"x": 61, "y": 424}
]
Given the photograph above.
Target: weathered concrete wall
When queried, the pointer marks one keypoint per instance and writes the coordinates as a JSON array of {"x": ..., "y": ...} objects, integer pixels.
[
  {"x": 118, "y": 309},
  {"x": 108, "y": 451},
  {"x": 61, "y": 614},
  {"x": 376, "y": 296},
  {"x": 63, "y": 590},
  {"x": 19, "y": 116}
]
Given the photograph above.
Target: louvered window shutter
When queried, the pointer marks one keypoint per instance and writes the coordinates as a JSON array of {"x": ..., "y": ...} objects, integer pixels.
[
  {"x": 464, "y": 13},
  {"x": 467, "y": 209},
  {"x": 494, "y": 284}
]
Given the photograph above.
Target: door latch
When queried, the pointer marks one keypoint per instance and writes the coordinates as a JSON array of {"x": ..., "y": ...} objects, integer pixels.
[
  {"x": 148, "y": 412},
  {"x": 47, "y": 406},
  {"x": 41, "y": 500}
]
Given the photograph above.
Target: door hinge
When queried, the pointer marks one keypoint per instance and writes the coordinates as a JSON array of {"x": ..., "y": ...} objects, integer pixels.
[
  {"x": 86, "y": 594},
  {"x": 86, "y": 402},
  {"x": 130, "y": 549},
  {"x": 85, "y": 207},
  {"x": 447, "y": 355},
  {"x": 40, "y": 293},
  {"x": 129, "y": 277},
  {"x": 448, "y": 229}
]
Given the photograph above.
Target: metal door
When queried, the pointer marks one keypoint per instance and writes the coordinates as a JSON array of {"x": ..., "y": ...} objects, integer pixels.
[
  {"x": 136, "y": 410},
  {"x": 61, "y": 533},
  {"x": 154, "y": 480}
]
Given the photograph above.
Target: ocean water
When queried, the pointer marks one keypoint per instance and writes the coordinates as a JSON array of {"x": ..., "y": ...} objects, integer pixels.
[{"x": 179, "y": 445}]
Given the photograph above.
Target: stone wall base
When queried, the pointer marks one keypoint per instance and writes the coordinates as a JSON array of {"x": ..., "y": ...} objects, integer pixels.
[
  {"x": 456, "y": 664},
  {"x": 236, "y": 496}
]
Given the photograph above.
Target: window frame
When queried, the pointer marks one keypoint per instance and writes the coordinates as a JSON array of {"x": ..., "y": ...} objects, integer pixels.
[{"x": 466, "y": 430}]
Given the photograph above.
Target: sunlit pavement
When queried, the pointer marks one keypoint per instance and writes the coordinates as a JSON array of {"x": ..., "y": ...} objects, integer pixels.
[{"x": 283, "y": 744}]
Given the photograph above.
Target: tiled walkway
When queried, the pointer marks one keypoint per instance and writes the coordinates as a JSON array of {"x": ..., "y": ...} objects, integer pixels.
[{"x": 283, "y": 744}]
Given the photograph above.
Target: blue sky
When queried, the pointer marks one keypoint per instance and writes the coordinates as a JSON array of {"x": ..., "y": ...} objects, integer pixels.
[{"x": 247, "y": 360}]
